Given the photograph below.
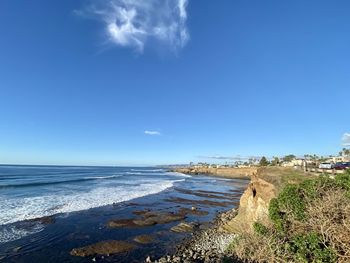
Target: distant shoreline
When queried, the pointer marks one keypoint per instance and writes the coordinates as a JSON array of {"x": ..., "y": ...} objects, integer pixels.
[{"x": 232, "y": 173}]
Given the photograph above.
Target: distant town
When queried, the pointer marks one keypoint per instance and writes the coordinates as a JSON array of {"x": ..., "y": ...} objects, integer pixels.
[{"x": 308, "y": 161}]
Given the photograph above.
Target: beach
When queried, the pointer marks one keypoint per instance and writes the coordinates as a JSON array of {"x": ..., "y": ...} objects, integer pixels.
[{"x": 144, "y": 221}]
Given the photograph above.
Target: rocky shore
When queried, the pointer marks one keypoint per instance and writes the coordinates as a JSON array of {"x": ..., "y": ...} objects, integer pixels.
[
  {"x": 210, "y": 244},
  {"x": 189, "y": 217},
  {"x": 176, "y": 225},
  {"x": 207, "y": 244},
  {"x": 244, "y": 172},
  {"x": 208, "y": 241}
]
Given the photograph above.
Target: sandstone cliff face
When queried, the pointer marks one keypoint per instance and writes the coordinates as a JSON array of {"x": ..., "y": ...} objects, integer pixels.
[
  {"x": 253, "y": 206},
  {"x": 254, "y": 202}
]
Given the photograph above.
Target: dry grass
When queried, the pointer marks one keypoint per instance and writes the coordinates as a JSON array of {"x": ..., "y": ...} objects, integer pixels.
[
  {"x": 256, "y": 248},
  {"x": 330, "y": 216},
  {"x": 280, "y": 176},
  {"x": 323, "y": 235}
]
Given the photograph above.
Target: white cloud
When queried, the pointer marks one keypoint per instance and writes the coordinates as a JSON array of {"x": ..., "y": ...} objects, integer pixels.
[
  {"x": 217, "y": 157},
  {"x": 346, "y": 139},
  {"x": 130, "y": 23},
  {"x": 156, "y": 133}
]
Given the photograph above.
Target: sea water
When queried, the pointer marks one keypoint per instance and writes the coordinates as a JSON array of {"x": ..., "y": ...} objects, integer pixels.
[{"x": 30, "y": 192}]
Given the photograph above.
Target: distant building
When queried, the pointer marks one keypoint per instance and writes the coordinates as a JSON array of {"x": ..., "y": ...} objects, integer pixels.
[
  {"x": 294, "y": 162},
  {"x": 338, "y": 159}
]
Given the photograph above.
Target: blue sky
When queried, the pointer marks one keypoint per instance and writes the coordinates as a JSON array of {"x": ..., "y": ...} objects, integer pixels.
[{"x": 85, "y": 82}]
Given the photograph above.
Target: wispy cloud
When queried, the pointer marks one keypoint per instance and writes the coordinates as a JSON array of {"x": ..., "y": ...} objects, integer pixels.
[
  {"x": 346, "y": 139},
  {"x": 217, "y": 157},
  {"x": 131, "y": 23},
  {"x": 153, "y": 133},
  {"x": 233, "y": 158}
]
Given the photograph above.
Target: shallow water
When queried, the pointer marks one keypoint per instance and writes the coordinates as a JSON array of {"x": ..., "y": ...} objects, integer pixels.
[{"x": 84, "y": 199}]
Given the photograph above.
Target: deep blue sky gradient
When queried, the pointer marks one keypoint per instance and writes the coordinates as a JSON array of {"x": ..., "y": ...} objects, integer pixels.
[{"x": 257, "y": 77}]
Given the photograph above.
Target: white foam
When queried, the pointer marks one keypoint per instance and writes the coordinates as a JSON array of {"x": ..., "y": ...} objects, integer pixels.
[
  {"x": 104, "y": 177},
  {"x": 12, "y": 233},
  {"x": 178, "y": 174},
  {"x": 13, "y": 210},
  {"x": 148, "y": 170}
]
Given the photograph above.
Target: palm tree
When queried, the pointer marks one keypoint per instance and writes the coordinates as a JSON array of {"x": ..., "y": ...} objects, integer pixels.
[
  {"x": 344, "y": 152},
  {"x": 347, "y": 152}
]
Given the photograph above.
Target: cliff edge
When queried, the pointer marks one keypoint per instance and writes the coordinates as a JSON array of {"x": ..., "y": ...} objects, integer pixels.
[
  {"x": 222, "y": 172},
  {"x": 265, "y": 184},
  {"x": 253, "y": 206}
]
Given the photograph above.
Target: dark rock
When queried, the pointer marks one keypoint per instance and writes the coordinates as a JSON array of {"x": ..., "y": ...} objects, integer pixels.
[
  {"x": 152, "y": 218},
  {"x": 46, "y": 220},
  {"x": 144, "y": 239},
  {"x": 184, "y": 227},
  {"x": 197, "y": 212},
  {"x": 144, "y": 222},
  {"x": 205, "y": 225},
  {"x": 103, "y": 248},
  {"x": 121, "y": 223}
]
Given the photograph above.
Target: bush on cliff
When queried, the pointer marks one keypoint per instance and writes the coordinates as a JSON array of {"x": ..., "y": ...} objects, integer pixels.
[
  {"x": 310, "y": 222},
  {"x": 264, "y": 161}
]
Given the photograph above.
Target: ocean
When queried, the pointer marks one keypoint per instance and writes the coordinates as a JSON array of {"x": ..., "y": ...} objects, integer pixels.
[{"x": 82, "y": 200}]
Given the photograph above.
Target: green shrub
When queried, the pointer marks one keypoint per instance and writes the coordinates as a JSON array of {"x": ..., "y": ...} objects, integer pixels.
[
  {"x": 309, "y": 188},
  {"x": 288, "y": 206},
  {"x": 291, "y": 202},
  {"x": 275, "y": 214},
  {"x": 309, "y": 248},
  {"x": 260, "y": 228},
  {"x": 343, "y": 181},
  {"x": 310, "y": 223}
]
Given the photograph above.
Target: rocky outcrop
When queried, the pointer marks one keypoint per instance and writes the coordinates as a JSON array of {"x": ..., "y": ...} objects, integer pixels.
[
  {"x": 153, "y": 218},
  {"x": 148, "y": 218},
  {"x": 253, "y": 206},
  {"x": 103, "y": 248},
  {"x": 121, "y": 223},
  {"x": 144, "y": 239},
  {"x": 184, "y": 227},
  {"x": 222, "y": 172},
  {"x": 45, "y": 220}
]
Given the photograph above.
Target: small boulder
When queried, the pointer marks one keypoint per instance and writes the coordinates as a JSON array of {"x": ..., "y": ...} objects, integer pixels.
[
  {"x": 144, "y": 239},
  {"x": 153, "y": 218},
  {"x": 121, "y": 223},
  {"x": 184, "y": 227},
  {"x": 103, "y": 248}
]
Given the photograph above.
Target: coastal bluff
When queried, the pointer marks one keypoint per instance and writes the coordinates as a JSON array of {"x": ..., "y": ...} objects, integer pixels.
[
  {"x": 221, "y": 172},
  {"x": 254, "y": 203},
  {"x": 253, "y": 206},
  {"x": 214, "y": 244},
  {"x": 265, "y": 184}
]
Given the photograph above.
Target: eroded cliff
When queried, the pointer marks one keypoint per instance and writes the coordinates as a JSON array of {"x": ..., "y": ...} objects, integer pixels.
[{"x": 253, "y": 206}]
